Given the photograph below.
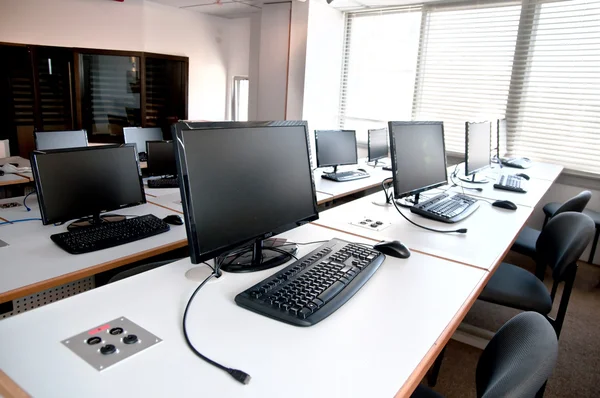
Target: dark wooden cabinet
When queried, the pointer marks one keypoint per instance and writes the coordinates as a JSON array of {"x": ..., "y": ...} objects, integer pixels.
[{"x": 54, "y": 88}]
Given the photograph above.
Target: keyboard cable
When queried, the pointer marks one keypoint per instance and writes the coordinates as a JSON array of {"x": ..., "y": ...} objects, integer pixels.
[{"x": 237, "y": 374}]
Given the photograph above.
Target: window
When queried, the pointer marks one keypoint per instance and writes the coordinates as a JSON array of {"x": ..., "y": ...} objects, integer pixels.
[
  {"x": 239, "y": 101},
  {"x": 534, "y": 62},
  {"x": 380, "y": 62},
  {"x": 558, "y": 114},
  {"x": 465, "y": 66}
]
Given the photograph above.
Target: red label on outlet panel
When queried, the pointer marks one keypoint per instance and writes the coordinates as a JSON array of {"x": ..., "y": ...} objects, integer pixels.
[{"x": 99, "y": 329}]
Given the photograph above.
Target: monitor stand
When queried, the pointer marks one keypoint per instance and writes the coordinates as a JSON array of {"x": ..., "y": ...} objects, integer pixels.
[
  {"x": 259, "y": 257},
  {"x": 408, "y": 202},
  {"x": 95, "y": 219},
  {"x": 472, "y": 179}
]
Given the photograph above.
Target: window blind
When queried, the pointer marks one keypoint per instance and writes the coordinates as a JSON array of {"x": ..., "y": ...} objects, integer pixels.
[
  {"x": 554, "y": 112},
  {"x": 465, "y": 64},
  {"x": 378, "y": 74}
]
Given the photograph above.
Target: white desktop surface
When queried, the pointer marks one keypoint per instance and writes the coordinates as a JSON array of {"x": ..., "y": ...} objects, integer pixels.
[
  {"x": 323, "y": 197},
  {"x": 390, "y": 330},
  {"x": 491, "y": 230},
  {"x": 170, "y": 201},
  {"x": 339, "y": 189},
  {"x": 539, "y": 170},
  {"x": 31, "y": 257},
  {"x": 536, "y": 189},
  {"x": 11, "y": 179}
]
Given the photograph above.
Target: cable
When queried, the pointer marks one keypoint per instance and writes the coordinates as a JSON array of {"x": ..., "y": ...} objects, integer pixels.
[
  {"x": 278, "y": 250},
  {"x": 22, "y": 220},
  {"x": 237, "y": 374},
  {"x": 25, "y": 198},
  {"x": 460, "y": 231}
]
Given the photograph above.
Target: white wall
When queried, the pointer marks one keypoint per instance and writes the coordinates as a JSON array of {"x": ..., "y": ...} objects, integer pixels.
[
  {"x": 323, "y": 68},
  {"x": 134, "y": 25}
]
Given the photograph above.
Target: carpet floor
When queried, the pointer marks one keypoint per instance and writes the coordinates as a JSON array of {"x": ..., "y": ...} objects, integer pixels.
[{"x": 577, "y": 373}]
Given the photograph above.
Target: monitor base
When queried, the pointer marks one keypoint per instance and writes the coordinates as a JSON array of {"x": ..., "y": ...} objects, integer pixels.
[
  {"x": 87, "y": 222},
  {"x": 260, "y": 256},
  {"x": 200, "y": 273},
  {"x": 473, "y": 179}
]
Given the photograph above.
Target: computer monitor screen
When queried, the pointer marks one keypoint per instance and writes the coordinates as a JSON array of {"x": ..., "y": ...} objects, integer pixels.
[
  {"x": 418, "y": 157},
  {"x": 48, "y": 140},
  {"x": 139, "y": 136},
  {"x": 502, "y": 138},
  {"x": 82, "y": 182},
  {"x": 477, "y": 146},
  {"x": 378, "y": 146},
  {"x": 161, "y": 158},
  {"x": 242, "y": 182},
  {"x": 335, "y": 147}
]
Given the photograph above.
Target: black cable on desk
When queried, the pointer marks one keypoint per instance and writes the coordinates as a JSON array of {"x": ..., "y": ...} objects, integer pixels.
[{"x": 237, "y": 374}]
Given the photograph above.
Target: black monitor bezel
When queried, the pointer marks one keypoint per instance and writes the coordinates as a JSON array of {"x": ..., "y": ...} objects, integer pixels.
[
  {"x": 36, "y": 134},
  {"x": 319, "y": 164},
  {"x": 182, "y": 176},
  {"x": 471, "y": 172},
  {"x": 148, "y": 163},
  {"x": 372, "y": 159},
  {"x": 40, "y": 193},
  {"x": 400, "y": 195}
]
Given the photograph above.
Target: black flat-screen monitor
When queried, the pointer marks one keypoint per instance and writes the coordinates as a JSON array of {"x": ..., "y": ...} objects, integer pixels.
[
  {"x": 418, "y": 157},
  {"x": 140, "y": 135},
  {"x": 161, "y": 158},
  {"x": 335, "y": 147},
  {"x": 378, "y": 145},
  {"x": 243, "y": 182},
  {"x": 49, "y": 140},
  {"x": 477, "y": 146},
  {"x": 82, "y": 182}
]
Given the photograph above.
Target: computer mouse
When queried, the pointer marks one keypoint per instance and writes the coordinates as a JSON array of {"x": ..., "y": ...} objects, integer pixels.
[
  {"x": 525, "y": 176},
  {"x": 173, "y": 219},
  {"x": 363, "y": 170},
  {"x": 1, "y": 173},
  {"x": 393, "y": 248},
  {"x": 505, "y": 204}
]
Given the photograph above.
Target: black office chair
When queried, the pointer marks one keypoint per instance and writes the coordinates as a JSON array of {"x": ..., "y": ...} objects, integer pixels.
[
  {"x": 516, "y": 362},
  {"x": 552, "y": 208},
  {"x": 139, "y": 269},
  {"x": 559, "y": 246},
  {"x": 526, "y": 241}
]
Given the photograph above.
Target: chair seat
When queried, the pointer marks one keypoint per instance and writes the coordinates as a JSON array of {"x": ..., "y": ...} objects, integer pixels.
[
  {"x": 424, "y": 392},
  {"x": 552, "y": 207},
  {"x": 515, "y": 287},
  {"x": 525, "y": 243}
]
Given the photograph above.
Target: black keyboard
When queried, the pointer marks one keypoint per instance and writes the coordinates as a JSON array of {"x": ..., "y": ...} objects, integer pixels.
[
  {"x": 446, "y": 208},
  {"x": 518, "y": 163},
  {"x": 315, "y": 286},
  {"x": 163, "y": 183},
  {"x": 345, "y": 176},
  {"x": 510, "y": 183},
  {"x": 103, "y": 236}
]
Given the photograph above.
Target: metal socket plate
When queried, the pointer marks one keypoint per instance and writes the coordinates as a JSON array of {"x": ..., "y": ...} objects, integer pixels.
[
  {"x": 372, "y": 224},
  {"x": 90, "y": 344}
]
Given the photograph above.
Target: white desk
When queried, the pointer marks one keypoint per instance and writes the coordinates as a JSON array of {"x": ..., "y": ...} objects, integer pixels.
[
  {"x": 378, "y": 344},
  {"x": 157, "y": 192},
  {"x": 341, "y": 189},
  {"x": 22, "y": 162},
  {"x": 171, "y": 201},
  {"x": 491, "y": 230},
  {"x": 539, "y": 170},
  {"x": 12, "y": 179},
  {"x": 32, "y": 262}
]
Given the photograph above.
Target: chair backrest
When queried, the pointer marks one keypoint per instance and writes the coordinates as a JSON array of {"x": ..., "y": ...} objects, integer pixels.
[
  {"x": 519, "y": 358},
  {"x": 563, "y": 240},
  {"x": 576, "y": 203}
]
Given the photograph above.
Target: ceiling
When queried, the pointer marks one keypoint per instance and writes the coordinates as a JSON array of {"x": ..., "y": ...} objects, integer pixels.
[{"x": 245, "y": 8}]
